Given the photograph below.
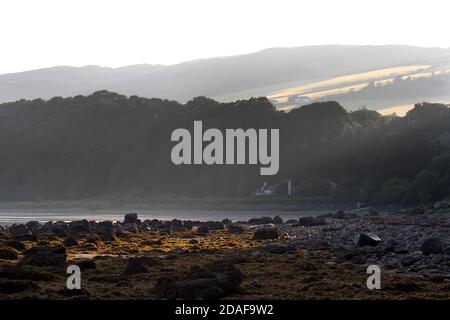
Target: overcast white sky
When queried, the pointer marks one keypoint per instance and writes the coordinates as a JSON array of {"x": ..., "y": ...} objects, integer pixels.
[{"x": 44, "y": 33}]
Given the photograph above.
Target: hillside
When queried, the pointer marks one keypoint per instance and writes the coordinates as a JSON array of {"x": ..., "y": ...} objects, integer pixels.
[
  {"x": 107, "y": 144},
  {"x": 224, "y": 78}
]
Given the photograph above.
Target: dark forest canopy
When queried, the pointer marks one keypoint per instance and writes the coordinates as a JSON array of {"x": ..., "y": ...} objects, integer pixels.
[{"x": 110, "y": 144}]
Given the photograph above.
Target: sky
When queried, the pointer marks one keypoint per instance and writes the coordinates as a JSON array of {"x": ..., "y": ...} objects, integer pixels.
[{"x": 45, "y": 33}]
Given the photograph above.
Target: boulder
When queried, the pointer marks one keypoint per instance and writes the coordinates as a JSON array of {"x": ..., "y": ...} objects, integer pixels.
[
  {"x": 106, "y": 233},
  {"x": 277, "y": 220},
  {"x": 15, "y": 286},
  {"x": 262, "y": 220},
  {"x": 131, "y": 218},
  {"x": 26, "y": 237},
  {"x": 215, "y": 225},
  {"x": 432, "y": 246},
  {"x": 267, "y": 234},
  {"x": 367, "y": 239},
  {"x": 70, "y": 241},
  {"x": 214, "y": 281},
  {"x": 76, "y": 227},
  {"x": 8, "y": 254},
  {"x": 311, "y": 221},
  {"x": 5, "y": 235},
  {"x": 58, "y": 229},
  {"x": 276, "y": 248},
  {"x": 408, "y": 261},
  {"x": 44, "y": 256},
  {"x": 339, "y": 215},
  {"x": 19, "y": 230},
  {"x": 16, "y": 245},
  {"x": 136, "y": 265},
  {"x": 202, "y": 230}
]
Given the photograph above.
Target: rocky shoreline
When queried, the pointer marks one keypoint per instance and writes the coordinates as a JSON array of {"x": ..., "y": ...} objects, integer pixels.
[{"x": 322, "y": 257}]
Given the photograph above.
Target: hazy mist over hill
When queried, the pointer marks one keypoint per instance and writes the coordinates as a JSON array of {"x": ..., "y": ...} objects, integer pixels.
[{"x": 224, "y": 78}]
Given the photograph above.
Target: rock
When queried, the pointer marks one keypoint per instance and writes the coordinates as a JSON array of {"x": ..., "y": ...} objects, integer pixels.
[
  {"x": 211, "y": 282},
  {"x": 432, "y": 246},
  {"x": 267, "y": 234},
  {"x": 215, "y": 225},
  {"x": 367, "y": 239},
  {"x": 86, "y": 264},
  {"x": 277, "y": 220},
  {"x": 390, "y": 246},
  {"x": 176, "y": 225},
  {"x": 25, "y": 273},
  {"x": 26, "y": 237},
  {"x": 131, "y": 227},
  {"x": 140, "y": 265},
  {"x": 291, "y": 221},
  {"x": 262, "y": 220},
  {"x": 339, "y": 215},
  {"x": 76, "y": 227},
  {"x": 227, "y": 222},
  {"x": 188, "y": 224},
  {"x": 276, "y": 249},
  {"x": 59, "y": 229},
  {"x": 8, "y": 254},
  {"x": 235, "y": 229},
  {"x": 44, "y": 256},
  {"x": 408, "y": 261},
  {"x": 16, "y": 245},
  {"x": 311, "y": 221},
  {"x": 131, "y": 218},
  {"x": 70, "y": 241},
  {"x": 438, "y": 259},
  {"x": 19, "y": 230},
  {"x": 202, "y": 230},
  {"x": 5, "y": 235},
  {"x": 15, "y": 286},
  {"x": 107, "y": 234}
]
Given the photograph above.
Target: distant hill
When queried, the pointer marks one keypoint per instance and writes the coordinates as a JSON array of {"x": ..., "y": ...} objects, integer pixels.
[{"x": 223, "y": 78}]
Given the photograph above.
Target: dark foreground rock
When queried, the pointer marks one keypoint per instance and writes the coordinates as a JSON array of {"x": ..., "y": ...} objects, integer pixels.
[
  {"x": 8, "y": 254},
  {"x": 214, "y": 281},
  {"x": 267, "y": 234},
  {"x": 367, "y": 239},
  {"x": 44, "y": 256},
  {"x": 432, "y": 246},
  {"x": 311, "y": 221},
  {"x": 136, "y": 265},
  {"x": 15, "y": 286},
  {"x": 130, "y": 218}
]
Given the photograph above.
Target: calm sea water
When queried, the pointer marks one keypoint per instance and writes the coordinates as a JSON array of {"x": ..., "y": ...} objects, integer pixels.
[{"x": 11, "y": 216}]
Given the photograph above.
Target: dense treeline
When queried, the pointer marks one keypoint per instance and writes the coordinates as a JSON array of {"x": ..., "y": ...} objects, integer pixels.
[{"x": 109, "y": 144}]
